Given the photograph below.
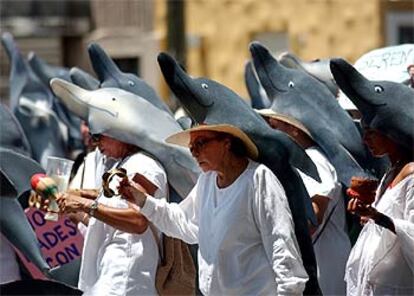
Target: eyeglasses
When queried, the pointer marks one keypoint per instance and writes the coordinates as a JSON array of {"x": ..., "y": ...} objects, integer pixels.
[
  {"x": 95, "y": 137},
  {"x": 200, "y": 143}
]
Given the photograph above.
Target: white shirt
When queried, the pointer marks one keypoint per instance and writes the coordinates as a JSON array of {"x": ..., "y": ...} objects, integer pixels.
[
  {"x": 333, "y": 245},
  {"x": 119, "y": 263},
  {"x": 247, "y": 244},
  {"x": 89, "y": 175},
  {"x": 381, "y": 262}
]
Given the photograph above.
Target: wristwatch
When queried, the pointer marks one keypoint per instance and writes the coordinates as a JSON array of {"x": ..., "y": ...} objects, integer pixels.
[{"x": 93, "y": 208}]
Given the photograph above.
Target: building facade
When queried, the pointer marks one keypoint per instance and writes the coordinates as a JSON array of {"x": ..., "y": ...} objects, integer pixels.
[{"x": 217, "y": 32}]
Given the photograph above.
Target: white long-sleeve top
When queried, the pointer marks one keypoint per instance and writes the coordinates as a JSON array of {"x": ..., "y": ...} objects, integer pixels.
[
  {"x": 247, "y": 244},
  {"x": 333, "y": 245},
  {"x": 117, "y": 263},
  {"x": 381, "y": 262}
]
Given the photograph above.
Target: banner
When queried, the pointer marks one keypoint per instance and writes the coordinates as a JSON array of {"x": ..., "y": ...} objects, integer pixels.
[{"x": 388, "y": 63}]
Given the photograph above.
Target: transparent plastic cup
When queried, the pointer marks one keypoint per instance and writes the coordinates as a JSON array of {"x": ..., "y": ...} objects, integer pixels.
[{"x": 59, "y": 170}]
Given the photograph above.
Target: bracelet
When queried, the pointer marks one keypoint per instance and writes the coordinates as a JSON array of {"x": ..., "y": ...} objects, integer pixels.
[
  {"x": 385, "y": 221},
  {"x": 93, "y": 208}
]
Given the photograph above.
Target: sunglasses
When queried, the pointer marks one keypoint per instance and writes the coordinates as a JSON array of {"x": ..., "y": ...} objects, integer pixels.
[
  {"x": 95, "y": 137},
  {"x": 199, "y": 144}
]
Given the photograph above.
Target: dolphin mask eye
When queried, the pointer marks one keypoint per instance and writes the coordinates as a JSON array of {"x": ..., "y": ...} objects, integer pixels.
[
  {"x": 291, "y": 84},
  {"x": 205, "y": 86},
  {"x": 378, "y": 89},
  {"x": 113, "y": 99},
  {"x": 131, "y": 83},
  {"x": 25, "y": 110}
]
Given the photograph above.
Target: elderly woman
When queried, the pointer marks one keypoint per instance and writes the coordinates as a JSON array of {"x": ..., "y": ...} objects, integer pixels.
[
  {"x": 237, "y": 213},
  {"x": 120, "y": 255}
]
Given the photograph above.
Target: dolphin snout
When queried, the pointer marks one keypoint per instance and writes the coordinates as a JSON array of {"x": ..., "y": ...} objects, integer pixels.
[
  {"x": 167, "y": 64},
  {"x": 257, "y": 50}
]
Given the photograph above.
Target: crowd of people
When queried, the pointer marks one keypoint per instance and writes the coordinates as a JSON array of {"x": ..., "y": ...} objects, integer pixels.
[{"x": 238, "y": 212}]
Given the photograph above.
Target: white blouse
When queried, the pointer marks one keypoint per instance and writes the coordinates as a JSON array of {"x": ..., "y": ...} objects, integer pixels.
[
  {"x": 115, "y": 262},
  {"x": 333, "y": 245},
  {"x": 381, "y": 262},
  {"x": 247, "y": 244}
]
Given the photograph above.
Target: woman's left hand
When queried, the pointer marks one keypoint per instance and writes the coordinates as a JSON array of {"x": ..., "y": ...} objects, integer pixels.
[
  {"x": 133, "y": 192},
  {"x": 355, "y": 206}
]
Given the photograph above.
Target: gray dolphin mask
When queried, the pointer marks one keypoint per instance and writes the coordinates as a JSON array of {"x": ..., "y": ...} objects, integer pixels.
[
  {"x": 131, "y": 119},
  {"x": 384, "y": 105}
]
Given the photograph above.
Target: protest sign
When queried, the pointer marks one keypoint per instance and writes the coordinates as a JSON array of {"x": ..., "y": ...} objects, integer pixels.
[{"x": 60, "y": 242}]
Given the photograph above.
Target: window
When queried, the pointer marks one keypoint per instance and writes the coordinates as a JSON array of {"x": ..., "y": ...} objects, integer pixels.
[
  {"x": 129, "y": 65},
  {"x": 400, "y": 27}
]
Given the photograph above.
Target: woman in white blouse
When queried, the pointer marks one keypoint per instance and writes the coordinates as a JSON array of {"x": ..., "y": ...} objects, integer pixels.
[
  {"x": 237, "y": 213},
  {"x": 120, "y": 254},
  {"x": 382, "y": 260}
]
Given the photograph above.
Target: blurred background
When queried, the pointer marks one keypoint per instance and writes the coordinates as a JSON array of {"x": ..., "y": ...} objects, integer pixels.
[{"x": 209, "y": 37}]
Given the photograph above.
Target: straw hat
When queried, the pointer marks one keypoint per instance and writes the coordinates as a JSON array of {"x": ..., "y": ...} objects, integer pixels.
[
  {"x": 183, "y": 138},
  {"x": 284, "y": 118}
]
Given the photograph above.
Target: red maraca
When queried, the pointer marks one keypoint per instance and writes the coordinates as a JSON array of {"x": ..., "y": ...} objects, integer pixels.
[{"x": 47, "y": 188}]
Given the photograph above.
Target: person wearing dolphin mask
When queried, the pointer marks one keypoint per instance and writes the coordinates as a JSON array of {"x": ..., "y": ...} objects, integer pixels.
[
  {"x": 330, "y": 239},
  {"x": 382, "y": 260},
  {"x": 238, "y": 213},
  {"x": 120, "y": 254}
]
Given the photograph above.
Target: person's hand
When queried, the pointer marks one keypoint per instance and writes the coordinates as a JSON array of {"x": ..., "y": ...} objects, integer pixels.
[
  {"x": 366, "y": 199},
  {"x": 363, "y": 220},
  {"x": 365, "y": 211},
  {"x": 352, "y": 193},
  {"x": 77, "y": 217},
  {"x": 132, "y": 192},
  {"x": 44, "y": 204},
  {"x": 86, "y": 193},
  {"x": 37, "y": 201},
  {"x": 69, "y": 203}
]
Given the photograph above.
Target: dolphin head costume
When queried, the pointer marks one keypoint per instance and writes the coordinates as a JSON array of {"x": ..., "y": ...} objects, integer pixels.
[
  {"x": 111, "y": 76},
  {"x": 16, "y": 170},
  {"x": 297, "y": 94},
  {"x": 31, "y": 101},
  {"x": 12, "y": 134},
  {"x": 132, "y": 119},
  {"x": 258, "y": 97},
  {"x": 384, "y": 105},
  {"x": 83, "y": 79},
  {"x": 45, "y": 73},
  {"x": 209, "y": 102},
  {"x": 317, "y": 68},
  {"x": 15, "y": 173}
]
